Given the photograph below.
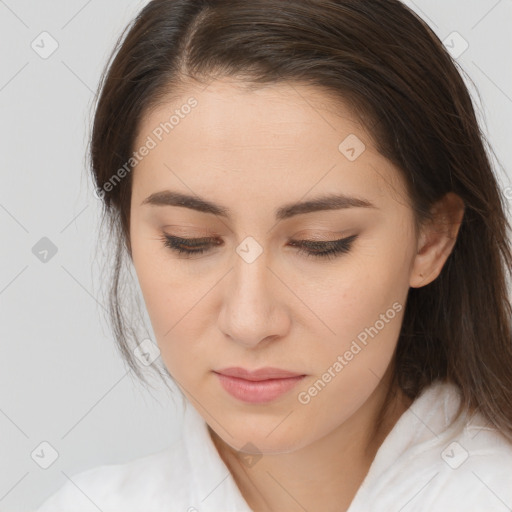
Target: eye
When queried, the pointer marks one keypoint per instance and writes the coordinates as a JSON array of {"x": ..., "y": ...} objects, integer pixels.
[
  {"x": 328, "y": 250},
  {"x": 188, "y": 247}
]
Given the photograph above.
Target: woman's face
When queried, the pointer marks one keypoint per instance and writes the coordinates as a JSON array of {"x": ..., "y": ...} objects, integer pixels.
[{"x": 253, "y": 298}]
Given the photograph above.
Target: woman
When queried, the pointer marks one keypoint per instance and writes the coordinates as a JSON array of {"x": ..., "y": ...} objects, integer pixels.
[{"x": 321, "y": 244}]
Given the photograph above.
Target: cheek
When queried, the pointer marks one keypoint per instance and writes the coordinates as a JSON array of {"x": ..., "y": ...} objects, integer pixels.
[
  {"x": 173, "y": 311},
  {"x": 176, "y": 303},
  {"x": 164, "y": 295},
  {"x": 171, "y": 305},
  {"x": 363, "y": 310},
  {"x": 357, "y": 298}
]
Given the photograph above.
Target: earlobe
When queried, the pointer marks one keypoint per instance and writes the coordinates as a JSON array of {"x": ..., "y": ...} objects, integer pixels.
[{"x": 437, "y": 239}]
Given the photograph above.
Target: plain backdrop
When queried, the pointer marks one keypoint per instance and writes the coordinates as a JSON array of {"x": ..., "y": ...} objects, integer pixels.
[{"x": 61, "y": 379}]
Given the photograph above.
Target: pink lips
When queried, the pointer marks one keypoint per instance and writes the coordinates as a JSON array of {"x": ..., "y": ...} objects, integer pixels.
[{"x": 258, "y": 386}]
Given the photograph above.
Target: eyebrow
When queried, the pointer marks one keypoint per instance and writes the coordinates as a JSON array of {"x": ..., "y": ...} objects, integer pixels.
[{"x": 322, "y": 203}]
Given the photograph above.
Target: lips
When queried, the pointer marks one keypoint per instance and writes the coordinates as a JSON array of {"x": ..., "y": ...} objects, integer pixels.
[
  {"x": 259, "y": 374},
  {"x": 257, "y": 386}
]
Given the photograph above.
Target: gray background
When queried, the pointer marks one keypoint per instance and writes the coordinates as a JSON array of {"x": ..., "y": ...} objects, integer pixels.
[{"x": 61, "y": 378}]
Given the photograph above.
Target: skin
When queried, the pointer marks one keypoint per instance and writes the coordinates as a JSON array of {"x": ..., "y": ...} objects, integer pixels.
[{"x": 252, "y": 152}]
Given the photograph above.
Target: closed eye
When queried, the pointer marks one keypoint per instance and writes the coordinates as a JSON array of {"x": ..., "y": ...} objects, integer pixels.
[{"x": 187, "y": 247}]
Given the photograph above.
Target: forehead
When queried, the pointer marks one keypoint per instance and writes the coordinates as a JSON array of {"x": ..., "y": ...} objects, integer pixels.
[
  {"x": 281, "y": 140},
  {"x": 250, "y": 117}
]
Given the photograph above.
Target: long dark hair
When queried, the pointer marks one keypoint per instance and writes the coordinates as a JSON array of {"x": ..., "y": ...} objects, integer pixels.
[{"x": 410, "y": 94}]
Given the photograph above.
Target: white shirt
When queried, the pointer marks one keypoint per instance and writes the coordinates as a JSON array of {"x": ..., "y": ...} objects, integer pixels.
[{"x": 421, "y": 466}]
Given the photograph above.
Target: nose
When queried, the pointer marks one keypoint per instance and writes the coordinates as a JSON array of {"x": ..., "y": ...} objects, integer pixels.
[{"x": 253, "y": 309}]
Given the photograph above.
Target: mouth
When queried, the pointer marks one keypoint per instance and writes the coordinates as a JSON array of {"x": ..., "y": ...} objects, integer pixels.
[{"x": 257, "y": 386}]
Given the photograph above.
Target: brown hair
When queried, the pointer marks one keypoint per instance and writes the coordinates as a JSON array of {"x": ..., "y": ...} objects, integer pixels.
[{"x": 408, "y": 91}]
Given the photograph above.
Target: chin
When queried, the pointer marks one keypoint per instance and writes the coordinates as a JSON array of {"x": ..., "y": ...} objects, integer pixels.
[{"x": 262, "y": 437}]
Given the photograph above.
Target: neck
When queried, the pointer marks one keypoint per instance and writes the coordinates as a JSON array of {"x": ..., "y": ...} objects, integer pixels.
[{"x": 326, "y": 474}]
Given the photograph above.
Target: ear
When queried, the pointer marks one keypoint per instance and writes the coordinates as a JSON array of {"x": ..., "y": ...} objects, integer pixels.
[{"x": 437, "y": 239}]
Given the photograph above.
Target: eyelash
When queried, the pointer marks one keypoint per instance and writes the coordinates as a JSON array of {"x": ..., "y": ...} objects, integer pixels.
[{"x": 331, "y": 249}]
